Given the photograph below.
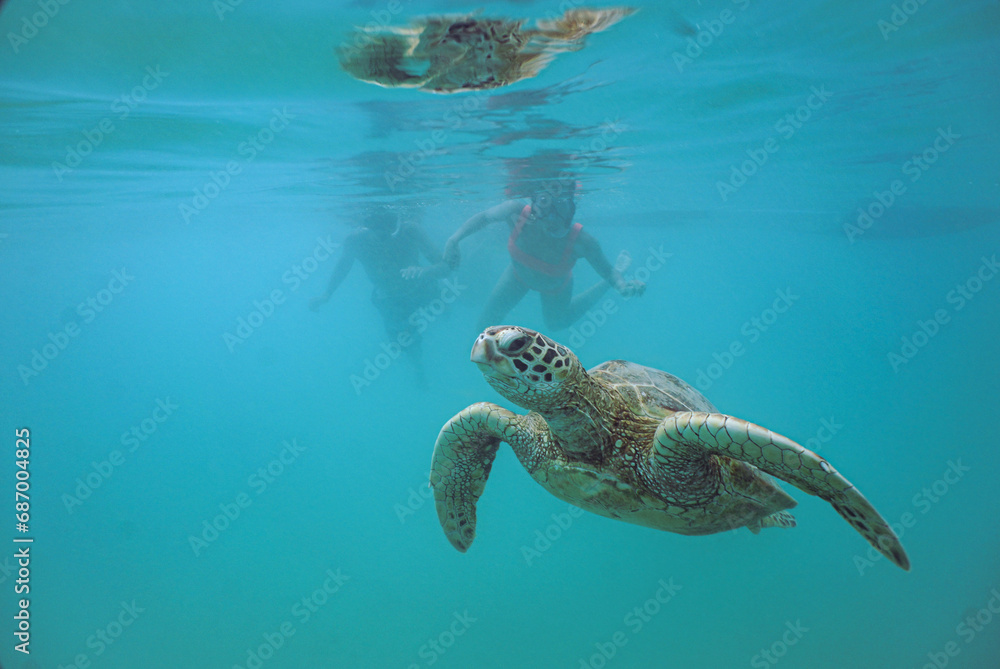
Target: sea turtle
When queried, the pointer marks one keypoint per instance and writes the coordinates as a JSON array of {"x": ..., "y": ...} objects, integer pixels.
[
  {"x": 447, "y": 54},
  {"x": 631, "y": 443}
]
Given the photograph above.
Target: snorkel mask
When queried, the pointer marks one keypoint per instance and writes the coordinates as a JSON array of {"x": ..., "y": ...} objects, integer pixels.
[
  {"x": 384, "y": 221},
  {"x": 554, "y": 206}
]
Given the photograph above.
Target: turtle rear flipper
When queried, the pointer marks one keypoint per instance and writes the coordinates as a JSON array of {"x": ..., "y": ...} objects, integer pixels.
[
  {"x": 690, "y": 434},
  {"x": 779, "y": 519}
]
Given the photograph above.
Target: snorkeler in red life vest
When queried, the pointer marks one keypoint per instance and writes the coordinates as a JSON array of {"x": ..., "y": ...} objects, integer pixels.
[{"x": 544, "y": 245}]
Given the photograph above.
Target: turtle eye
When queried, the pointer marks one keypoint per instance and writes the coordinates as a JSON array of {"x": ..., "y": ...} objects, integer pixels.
[{"x": 515, "y": 346}]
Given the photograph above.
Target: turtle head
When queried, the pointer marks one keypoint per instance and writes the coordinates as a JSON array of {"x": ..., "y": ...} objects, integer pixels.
[{"x": 524, "y": 366}]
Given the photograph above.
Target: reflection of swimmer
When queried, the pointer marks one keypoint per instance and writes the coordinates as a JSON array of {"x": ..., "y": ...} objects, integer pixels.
[
  {"x": 544, "y": 244},
  {"x": 390, "y": 250}
]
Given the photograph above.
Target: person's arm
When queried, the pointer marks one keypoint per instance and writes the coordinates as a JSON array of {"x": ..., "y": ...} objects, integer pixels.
[
  {"x": 340, "y": 270},
  {"x": 437, "y": 269},
  {"x": 591, "y": 250},
  {"x": 501, "y": 212}
]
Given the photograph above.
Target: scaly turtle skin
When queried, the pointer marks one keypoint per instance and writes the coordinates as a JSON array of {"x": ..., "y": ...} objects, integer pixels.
[
  {"x": 447, "y": 54},
  {"x": 631, "y": 443}
]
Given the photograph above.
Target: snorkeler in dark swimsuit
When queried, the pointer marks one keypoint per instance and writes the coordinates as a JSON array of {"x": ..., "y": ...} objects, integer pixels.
[
  {"x": 544, "y": 245},
  {"x": 390, "y": 250}
]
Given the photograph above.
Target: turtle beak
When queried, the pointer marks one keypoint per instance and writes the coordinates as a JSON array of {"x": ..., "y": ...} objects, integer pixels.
[
  {"x": 484, "y": 351},
  {"x": 491, "y": 362}
]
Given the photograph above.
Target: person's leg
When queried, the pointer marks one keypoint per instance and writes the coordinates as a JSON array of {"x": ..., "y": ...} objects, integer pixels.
[
  {"x": 561, "y": 310},
  {"x": 557, "y": 307},
  {"x": 505, "y": 296},
  {"x": 396, "y": 311}
]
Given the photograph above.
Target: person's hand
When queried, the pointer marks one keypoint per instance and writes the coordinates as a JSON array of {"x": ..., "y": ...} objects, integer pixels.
[
  {"x": 631, "y": 288},
  {"x": 452, "y": 255},
  {"x": 318, "y": 301},
  {"x": 412, "y": 272}
]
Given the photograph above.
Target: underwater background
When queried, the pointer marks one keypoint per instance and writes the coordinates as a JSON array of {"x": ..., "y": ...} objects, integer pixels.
[{"x": 213, "y": 485}]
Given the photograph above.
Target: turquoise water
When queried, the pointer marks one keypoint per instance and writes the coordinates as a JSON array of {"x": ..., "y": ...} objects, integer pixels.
[{"x": 126, "y": 274}]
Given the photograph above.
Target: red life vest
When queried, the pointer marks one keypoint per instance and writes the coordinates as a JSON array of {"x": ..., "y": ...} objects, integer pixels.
[{"x": 565, "y": 265}]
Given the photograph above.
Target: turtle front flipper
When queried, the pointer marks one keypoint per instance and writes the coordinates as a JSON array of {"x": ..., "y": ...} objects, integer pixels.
[
  {"x": 463, "y": 457},
  {"x": 383, "y": 57},
  {"x": 576, "y": 24},
  {"x": 686, "y": 434}
]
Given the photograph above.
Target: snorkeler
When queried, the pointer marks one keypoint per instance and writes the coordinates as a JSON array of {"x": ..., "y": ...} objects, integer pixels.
[
  {"x": 544, "y": 245},
  {"x": 389, "y": 250}
]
